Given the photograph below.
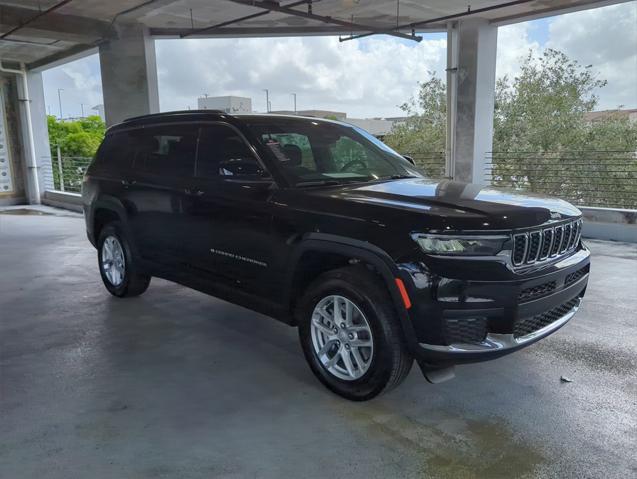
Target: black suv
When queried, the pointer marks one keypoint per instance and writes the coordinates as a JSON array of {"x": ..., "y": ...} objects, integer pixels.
[{"x": 322, "y": 226}]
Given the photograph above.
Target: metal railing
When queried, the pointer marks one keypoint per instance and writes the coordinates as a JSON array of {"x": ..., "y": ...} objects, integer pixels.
[
  {"x": 587, "y": 178},
  {"x": 431, "y": 162},
  {"x": 66, "y": 172}
]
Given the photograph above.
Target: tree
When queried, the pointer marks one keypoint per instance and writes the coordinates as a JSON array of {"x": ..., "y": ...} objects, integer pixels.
[
  {"x": 543, "y": 108},
  {"x": 78, "y": 141},
  {"x": 542, "y": 141},
  {"x": 422, "y": 135},
  {"x": 79, "y": 138}
]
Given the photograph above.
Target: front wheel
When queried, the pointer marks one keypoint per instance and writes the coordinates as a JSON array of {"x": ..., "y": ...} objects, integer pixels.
[
  {"x": 350, "y": 334},
  {"x": 118, "y": 269}
]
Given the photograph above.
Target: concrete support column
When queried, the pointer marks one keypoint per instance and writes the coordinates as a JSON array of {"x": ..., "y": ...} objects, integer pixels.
[
  {"x": 34, "y": 135},
  {"x": 472, "y": 45},
  {"x": 129, "y": 74},
  {"x": 40, "y": 131}
]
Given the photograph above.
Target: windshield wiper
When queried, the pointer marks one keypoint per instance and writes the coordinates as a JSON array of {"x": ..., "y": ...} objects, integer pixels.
[
  {"x": 318, "y": 183},
  {"x": 400, "y": 177}
]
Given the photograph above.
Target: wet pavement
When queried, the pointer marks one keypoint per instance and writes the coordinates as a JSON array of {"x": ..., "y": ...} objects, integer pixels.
[{"x": 179, "y": 384}]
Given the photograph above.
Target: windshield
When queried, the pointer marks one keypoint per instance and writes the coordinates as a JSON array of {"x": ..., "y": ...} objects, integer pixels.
[{"x": 317, "y": 152}]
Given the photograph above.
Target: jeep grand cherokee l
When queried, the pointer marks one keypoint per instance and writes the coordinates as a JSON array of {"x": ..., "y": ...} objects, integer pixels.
[{"x": 322, "y": 226}]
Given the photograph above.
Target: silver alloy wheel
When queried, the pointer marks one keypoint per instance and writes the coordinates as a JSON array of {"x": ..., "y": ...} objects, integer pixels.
[
  {"x": 113, "y": 262},
  {"x": 342, "y": 337}
]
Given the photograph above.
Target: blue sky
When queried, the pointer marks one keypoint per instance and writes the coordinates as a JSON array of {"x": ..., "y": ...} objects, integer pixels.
[{"x": 370, "y": 77}]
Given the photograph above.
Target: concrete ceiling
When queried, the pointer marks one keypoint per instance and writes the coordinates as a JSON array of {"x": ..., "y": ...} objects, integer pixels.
[{"x": 38, "y": 32}]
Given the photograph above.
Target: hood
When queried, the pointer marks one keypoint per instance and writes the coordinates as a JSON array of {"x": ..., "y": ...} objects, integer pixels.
[{"x": 489, "y": 208}]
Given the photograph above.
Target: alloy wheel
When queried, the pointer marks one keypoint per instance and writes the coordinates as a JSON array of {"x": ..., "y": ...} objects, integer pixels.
[
  {"x": 342, "y": 338},
  {"x": 113, "y": 262}
]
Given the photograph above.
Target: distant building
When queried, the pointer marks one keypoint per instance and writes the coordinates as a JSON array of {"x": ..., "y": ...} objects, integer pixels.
[
  {"x": 397, "y": 120},
  {"x": 376, "y": 126},
  {"x": 593, "y": 116},
  {"x": 228, "y": 104},
  {"x": 100, "y": 111},
  {"x": 332, "y": 115}
]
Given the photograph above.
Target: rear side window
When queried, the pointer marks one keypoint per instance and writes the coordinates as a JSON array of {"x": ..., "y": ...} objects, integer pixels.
[
  {"x": 115, "y": 152},
  {"x": 166, "y": 150},
  {"x": 224, "y": 153}
]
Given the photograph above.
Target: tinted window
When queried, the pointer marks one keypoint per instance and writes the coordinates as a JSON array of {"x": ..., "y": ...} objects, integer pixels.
[
  {"x": 166, "y": 150},
  {"x": 308, "y": 151},
  {"x": 223, "y": 152},
  {"x": 115, "y": 152},
  {"x": 294, "y": 148}
]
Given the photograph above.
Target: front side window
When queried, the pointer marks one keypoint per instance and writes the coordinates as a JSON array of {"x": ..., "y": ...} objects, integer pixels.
[
  {"x": 166, "y": 150},
  {"x": 222, "y": 152},
  {"x": 315, "y": 152}
]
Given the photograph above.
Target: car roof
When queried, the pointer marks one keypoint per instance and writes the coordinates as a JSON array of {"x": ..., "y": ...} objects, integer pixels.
[{"x": 210, "y": 115}]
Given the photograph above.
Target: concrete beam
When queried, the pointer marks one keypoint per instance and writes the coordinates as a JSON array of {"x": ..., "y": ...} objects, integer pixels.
[
  {"x": 144, "y": 9},
  {"x": 258, "y": 32},
  {"x": 129, "y": 74},
  {"x": 54, "y": 26},
  {"x": 60, "y": 58},
  {"x": 552, "y": 10},
  {"x": 472, "y": 98}
]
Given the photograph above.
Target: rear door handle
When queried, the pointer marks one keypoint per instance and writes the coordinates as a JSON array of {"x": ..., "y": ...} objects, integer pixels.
[{"x": 128, "y": 182}]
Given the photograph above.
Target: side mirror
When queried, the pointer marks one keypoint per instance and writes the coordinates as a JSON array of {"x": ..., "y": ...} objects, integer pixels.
[
  {"x": 240, "y": 167},
  {"x": 409, "y": 159}
]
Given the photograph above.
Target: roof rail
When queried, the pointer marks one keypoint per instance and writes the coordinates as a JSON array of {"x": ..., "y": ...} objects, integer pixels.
[{"x": 177, "y": 112}]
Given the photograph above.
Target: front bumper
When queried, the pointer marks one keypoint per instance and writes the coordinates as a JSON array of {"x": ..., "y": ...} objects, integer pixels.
[
  {"x": 512, "y": 314},
  {"x": 497, "y": 343}
]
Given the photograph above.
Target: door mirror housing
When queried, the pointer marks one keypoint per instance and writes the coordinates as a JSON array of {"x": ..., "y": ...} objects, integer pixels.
[
  {"x": 240, "y": 167},
  {"x": 409, "y": 159}
]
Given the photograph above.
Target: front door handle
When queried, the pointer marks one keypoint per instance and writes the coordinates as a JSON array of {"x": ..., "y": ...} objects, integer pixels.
[
  {"x": 128, "y": 182},
  {"x": 192, "y": 192}
]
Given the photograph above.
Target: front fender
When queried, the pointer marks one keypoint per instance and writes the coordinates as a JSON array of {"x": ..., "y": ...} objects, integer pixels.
[{"x": 366, "y": 252}]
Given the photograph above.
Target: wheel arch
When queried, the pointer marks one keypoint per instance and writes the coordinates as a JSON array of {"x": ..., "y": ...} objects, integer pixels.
[
  {"x": 334, "y": 251},
  {"x": 105, "y": 210}
]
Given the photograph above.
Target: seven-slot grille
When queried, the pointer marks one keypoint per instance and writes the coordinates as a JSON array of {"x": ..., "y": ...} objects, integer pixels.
[{"x": 546, "y": 243}]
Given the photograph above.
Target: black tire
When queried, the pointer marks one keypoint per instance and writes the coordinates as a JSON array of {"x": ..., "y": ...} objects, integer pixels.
[
  {"x": 391, "y": 361},
  {"x": 134, "y": 282}
]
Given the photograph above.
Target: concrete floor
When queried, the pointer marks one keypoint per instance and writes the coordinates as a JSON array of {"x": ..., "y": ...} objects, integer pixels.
[{"x": 178, "y": 384}]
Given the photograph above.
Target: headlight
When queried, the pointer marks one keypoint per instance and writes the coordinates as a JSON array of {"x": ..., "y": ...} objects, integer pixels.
[{"x": 461, "y": 245}]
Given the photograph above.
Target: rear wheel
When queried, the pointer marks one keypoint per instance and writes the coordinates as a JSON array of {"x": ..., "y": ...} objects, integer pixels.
[
  {"x": 350, "y": 334},
  {"x": 120, "y": 273}
]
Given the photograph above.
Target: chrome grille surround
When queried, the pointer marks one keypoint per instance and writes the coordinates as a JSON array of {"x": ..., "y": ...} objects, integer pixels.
[{"x": 545, "y": 244}]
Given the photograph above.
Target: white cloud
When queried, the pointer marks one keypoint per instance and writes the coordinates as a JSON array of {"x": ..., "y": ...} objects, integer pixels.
[
  {"x": 607, "y": 39},
  {"x": 365, "y": 78},
  {"x": 81, "y": 83},
  {"x": 369, "y": 78},
  {"x": 514, "y": 45}
]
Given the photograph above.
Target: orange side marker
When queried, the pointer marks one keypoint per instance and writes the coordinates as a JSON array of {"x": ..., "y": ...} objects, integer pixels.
[{"x": 403, "y": 292}]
